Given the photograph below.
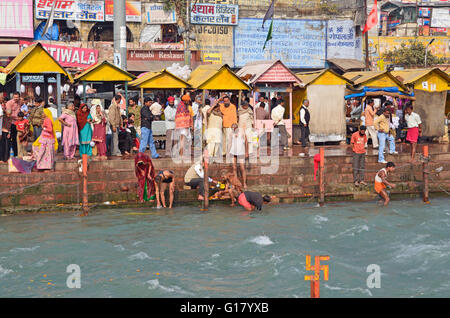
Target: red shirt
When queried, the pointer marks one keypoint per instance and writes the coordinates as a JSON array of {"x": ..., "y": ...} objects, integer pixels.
[
  {"x": 20, "y": 124},
  {"x": 358, "y": 142}
]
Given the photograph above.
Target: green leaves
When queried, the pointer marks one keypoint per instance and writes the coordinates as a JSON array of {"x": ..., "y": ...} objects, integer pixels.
[{"x": 412, "y": 54}]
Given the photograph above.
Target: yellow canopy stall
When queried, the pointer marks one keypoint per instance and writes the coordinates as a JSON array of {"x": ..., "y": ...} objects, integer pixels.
[
  {"x": 104, "y": 72},
  {"x": 216, "y": 77},
  {"x": 430, "y": 89},
  {"x": 374, "y": 79},
  {"x": 325, "y": 90},
  {"x": 158, "y": 80},
  {"x": 35, "y": 65}
]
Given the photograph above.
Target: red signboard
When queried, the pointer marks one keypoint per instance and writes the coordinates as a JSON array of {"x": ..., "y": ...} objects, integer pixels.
[{"x": 68, "y": 56}]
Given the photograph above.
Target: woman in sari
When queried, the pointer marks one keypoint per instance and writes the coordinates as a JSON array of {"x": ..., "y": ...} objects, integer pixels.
[
  {"x": 44, "y": 148},
  {"x": 84, "y": 119},
  {"x": 99, "y": 132},
  {"x": 70, "y": 135},
  {"x": 183, "y": 122},
  {"x": 145, "y": 172}
]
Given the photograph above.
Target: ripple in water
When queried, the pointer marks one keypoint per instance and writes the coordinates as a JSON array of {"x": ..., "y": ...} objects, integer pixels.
[
  {"x": 140, "y": 255},
  {"x": 319, "y": 219},
  {"x": 262, "y": 240},
  {"x": 352, "y": 231},
  {"x": 4, "y": 271},
  {"x": 154, "y": 284},
  {"x": 24, "y": 249}
]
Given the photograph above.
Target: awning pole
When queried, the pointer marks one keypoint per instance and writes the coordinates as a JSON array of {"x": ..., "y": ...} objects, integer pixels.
[
  {"x": 84, "y": 92},
  {"x": 126, "y": 96},
  {"x": 17, "y": 82},
  {"x": 58, "y": 93}
]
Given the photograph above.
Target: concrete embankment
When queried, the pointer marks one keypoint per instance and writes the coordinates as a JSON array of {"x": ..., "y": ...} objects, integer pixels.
[{"x": 113, "y": 183}]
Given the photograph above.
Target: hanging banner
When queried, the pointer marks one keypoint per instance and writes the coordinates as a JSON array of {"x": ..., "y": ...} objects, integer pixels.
[
  {"x": 155, "y": 14},
  {"x": 68, "y": 56},
  {"x": 440, "y": 18},
  {"x": 79, "y": 10},
  {"x": 16, "y": 18},
  {"x": 133, "y": 11},
  {"x": 222, "y": 14}
]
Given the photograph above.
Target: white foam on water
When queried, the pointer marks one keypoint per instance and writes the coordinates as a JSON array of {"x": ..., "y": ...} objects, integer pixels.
[
  {"x": 262, "y": 240},
  {"x": 352, "y": 231},
  {"x": 215, "y": 255},
  {"x": 119, "y": 247},
  {"x": 140, "y": 255},
  {"x": 4, "y": 271},
  {"x": 362, "y": 290},
  {"x": 248, "y": 263},
  {"x": 24, "y": 249},
  {"x": 154, "y": 284},
  {"x": 422, "y": 251},
  {"x": 319, "y": 219},
  {"x": 41, "y": 262},
  {"x": 137, "y": 243}
]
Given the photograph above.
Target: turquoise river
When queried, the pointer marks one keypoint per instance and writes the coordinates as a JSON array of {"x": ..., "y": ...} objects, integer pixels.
[{"x": 228, "y": 253}]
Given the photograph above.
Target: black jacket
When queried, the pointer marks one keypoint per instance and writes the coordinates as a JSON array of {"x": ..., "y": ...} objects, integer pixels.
[{"x": 146, "y": 117}]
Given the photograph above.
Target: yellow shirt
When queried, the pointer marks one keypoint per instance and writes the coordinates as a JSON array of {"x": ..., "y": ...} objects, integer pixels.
[{"x": 382, "y": 123}]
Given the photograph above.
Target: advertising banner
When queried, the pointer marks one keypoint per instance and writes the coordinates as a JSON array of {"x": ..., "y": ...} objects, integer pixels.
[
  {"x": 155, "y": 14},
  {"x": 68, "y": 56},
  {"x": 298, "y": 43},
  {"x": 214, "y": 40},
  {"x": 214, "y": 58},
  {"x": 82, "y": 10},
  {"x": 209, "y": 13},
  {"x": 16, "y": 18},
  {"x": 342, "y": 41},
  {"x": 133, "y": 11},
  {"x": 440, "y": 18}
]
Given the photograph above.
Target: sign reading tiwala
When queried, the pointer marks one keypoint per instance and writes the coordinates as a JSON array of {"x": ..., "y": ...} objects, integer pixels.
[{"x": 68, "y": 56}]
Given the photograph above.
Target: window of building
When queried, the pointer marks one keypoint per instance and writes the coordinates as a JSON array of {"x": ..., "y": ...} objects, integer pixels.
[
  {"x": 170, "y": 33},
  {"x": 104, "y": 32}
]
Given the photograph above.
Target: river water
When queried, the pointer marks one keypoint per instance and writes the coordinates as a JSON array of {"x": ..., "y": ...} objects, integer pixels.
[{"x": 228, "y": 253}]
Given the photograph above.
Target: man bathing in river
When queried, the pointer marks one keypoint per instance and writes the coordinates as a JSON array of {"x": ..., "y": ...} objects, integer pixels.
[
  {"x": 381, "y": 183},
  {"x": 251, "y": 200},
  {"x": 164, "y": 179}
]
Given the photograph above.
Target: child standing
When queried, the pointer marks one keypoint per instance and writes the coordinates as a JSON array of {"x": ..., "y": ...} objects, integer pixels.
[{"x": 23, "y": 129}]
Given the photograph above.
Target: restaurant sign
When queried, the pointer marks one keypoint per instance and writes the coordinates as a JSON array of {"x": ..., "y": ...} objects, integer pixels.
[
  {"x": 155, "y": 55},
  {"x": 68, "y": 56},
  {"x": 82, "y": 10},
  {"x": 222, "y": 14}
]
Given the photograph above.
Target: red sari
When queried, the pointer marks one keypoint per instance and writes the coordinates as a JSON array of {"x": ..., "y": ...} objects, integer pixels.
[{"x": 145, "y": 172}]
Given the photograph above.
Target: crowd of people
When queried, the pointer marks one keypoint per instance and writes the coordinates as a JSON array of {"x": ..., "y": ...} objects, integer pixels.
[
  {"x": 382, "y": 124},
  {"x": 190, "y": 119}
]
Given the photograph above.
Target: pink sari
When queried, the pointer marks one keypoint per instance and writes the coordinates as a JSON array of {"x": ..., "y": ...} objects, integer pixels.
[
  {"x": 99, "y": 137},
  {"x": 45, "y": 153}
]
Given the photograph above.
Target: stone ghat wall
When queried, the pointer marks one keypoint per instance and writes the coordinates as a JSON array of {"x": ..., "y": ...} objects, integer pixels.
[{"x": 114, "y": 181}]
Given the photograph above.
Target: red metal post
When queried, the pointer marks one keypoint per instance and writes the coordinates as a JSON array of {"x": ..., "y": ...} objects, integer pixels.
[
  {"x": 205, "y": 181},
  {"x": 321, "y": 177},
  {"x": 315, "y": 279},
  {"x": 425, "y": 175},
  {"x": 85, "y": 191}
]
